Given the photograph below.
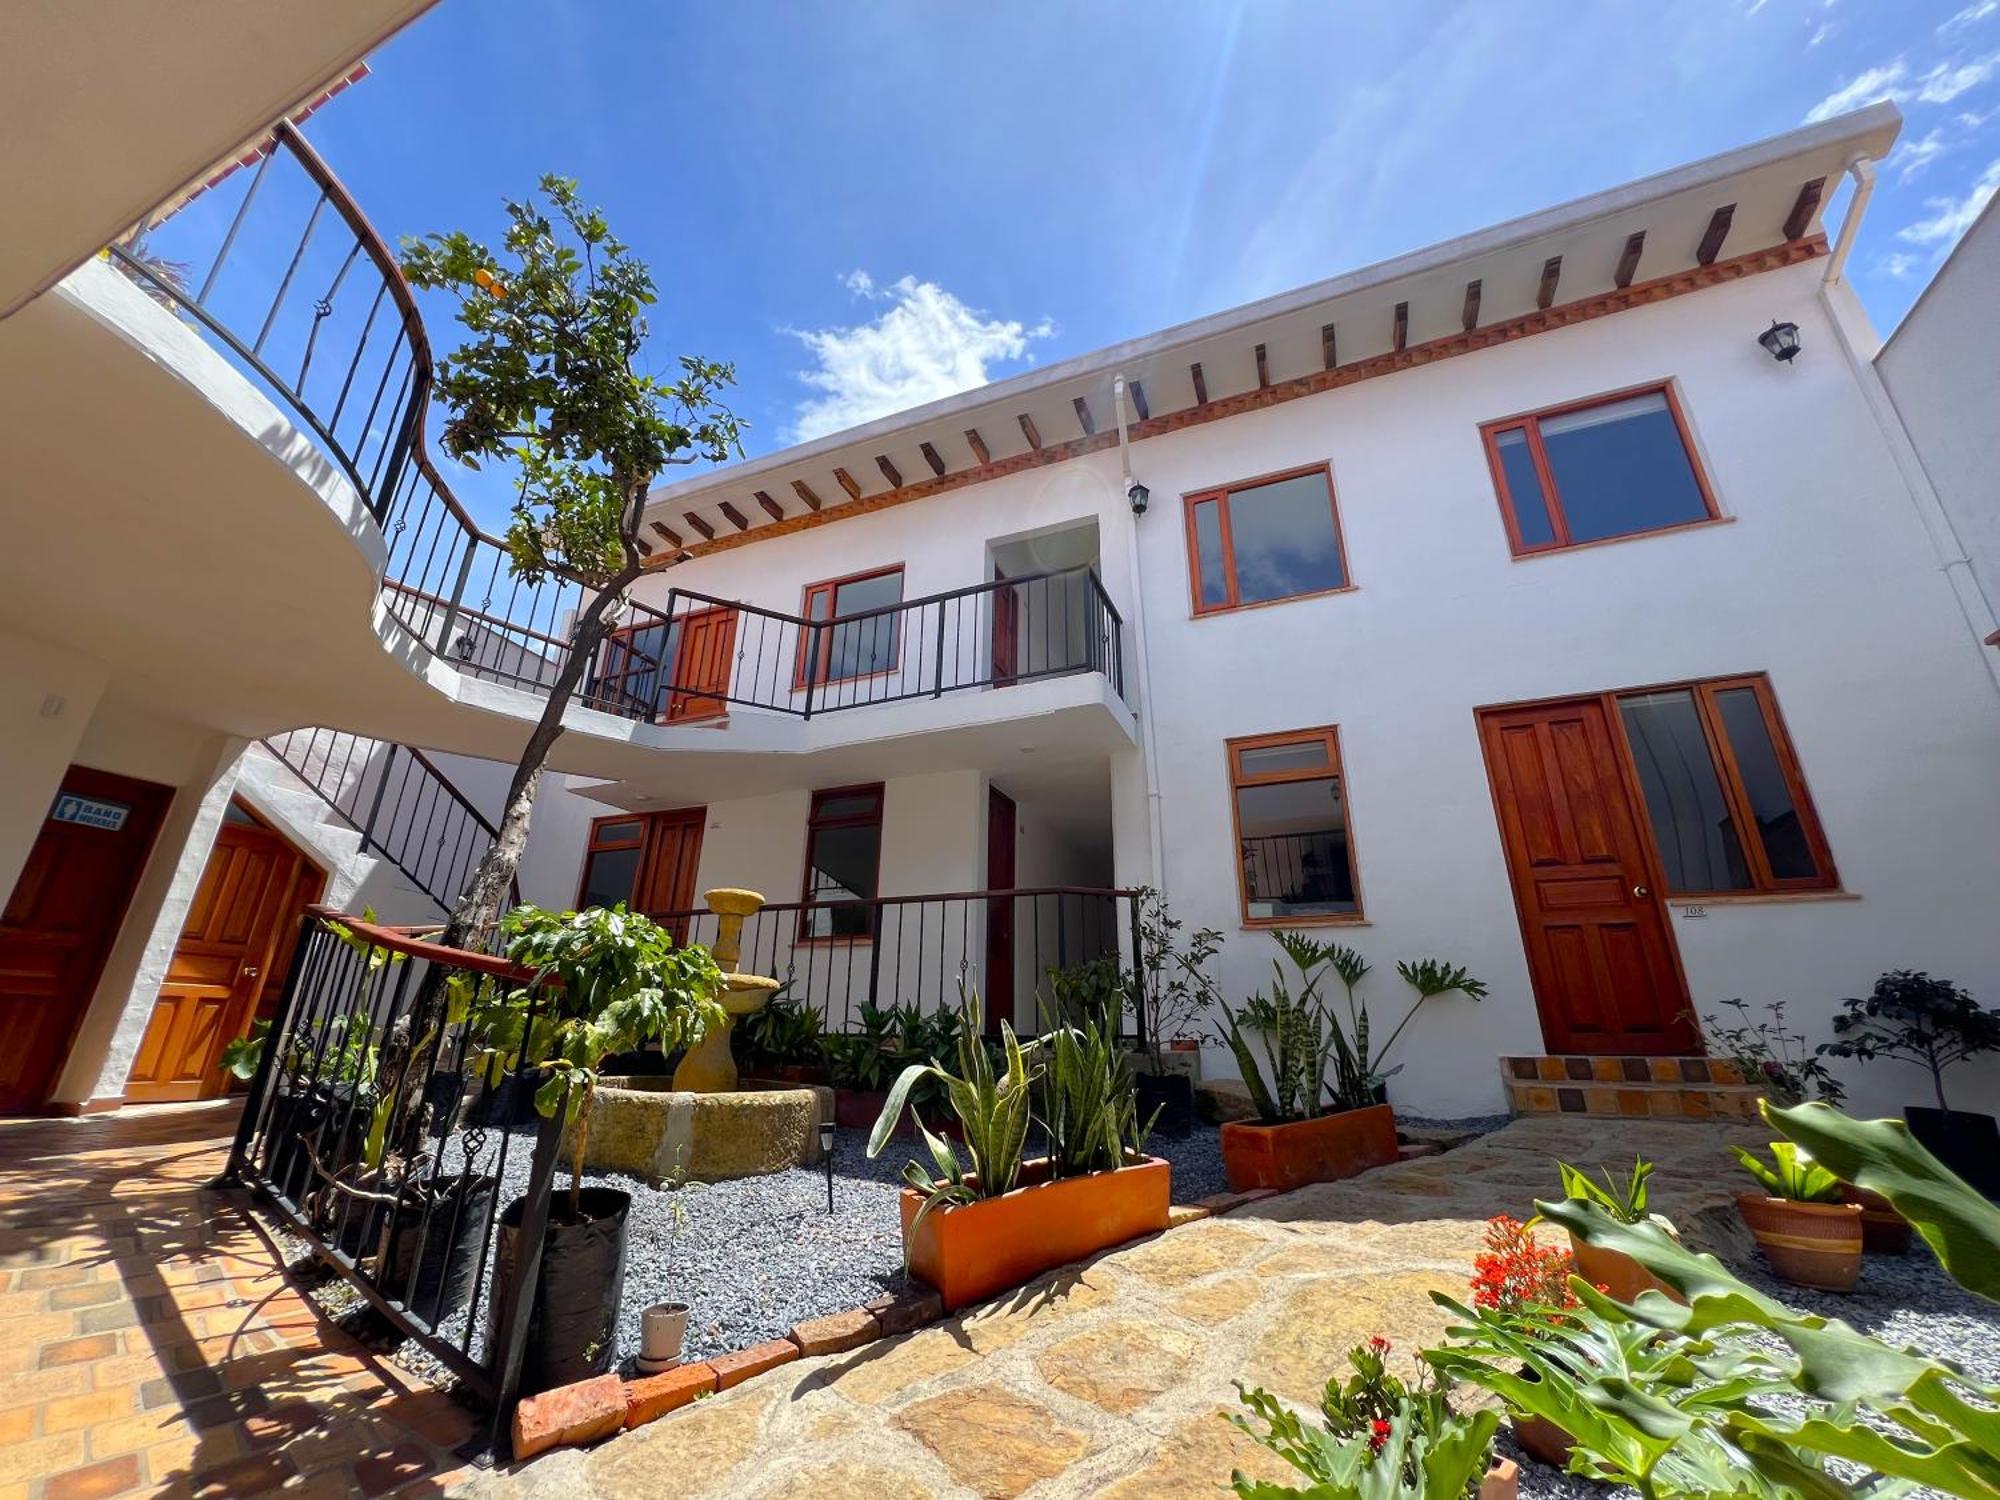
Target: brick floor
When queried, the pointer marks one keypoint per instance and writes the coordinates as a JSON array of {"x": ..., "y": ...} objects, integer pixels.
[{"x": 150, "y": 1343}]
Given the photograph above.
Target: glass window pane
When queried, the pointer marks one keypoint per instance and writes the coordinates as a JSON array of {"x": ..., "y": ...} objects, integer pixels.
[
  {"x": 1524, "y": 488},
  {"x": 847, "y": 805},
  {"x": 840, "y": 864},
  {"x": 1294, "y": 849},
  {"x": 1306, "y": 755},
  {"x": 1691, "y": 823},
  {"x": 1284, "y": 540},
  {"x": 616, "y": 833},
  {"x": 607, "y": 878},
  {"x": 864, "y": 646},
  {"x": 1208, "y": 552},
  {"x": 1621, "y": 468},
  {"x": 1786, "y": 847}
]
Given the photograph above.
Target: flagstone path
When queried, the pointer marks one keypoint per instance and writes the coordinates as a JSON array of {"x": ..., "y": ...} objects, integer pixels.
[
  {"x": 151, "y": 1344},
  {"x": 1108, "y": 1379}
]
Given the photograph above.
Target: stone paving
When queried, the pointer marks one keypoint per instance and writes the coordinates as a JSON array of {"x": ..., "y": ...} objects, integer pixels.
[
  {"x": 1107, "y": 1379},
  {"x": 151, "y": 1344}
]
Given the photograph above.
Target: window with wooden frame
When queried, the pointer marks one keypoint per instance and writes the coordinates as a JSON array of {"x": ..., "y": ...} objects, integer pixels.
[
  {"x": 611, "y": 861},
  {"x": 1264, "y": 540},
  {"x": 851, "y": 649},
  {"x": 627, "y": 673},
  {"x": 1612, "y": 466},
  {"x": 843, "y": 860},
  {"x": 1295, "y": 850},
  {"x": 1728, "y": 806}
]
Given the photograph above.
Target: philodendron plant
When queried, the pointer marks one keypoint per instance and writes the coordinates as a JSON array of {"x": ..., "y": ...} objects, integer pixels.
[
  {"x": 993, "y": 1110},
  {"x": 1734, "y": 1393}
]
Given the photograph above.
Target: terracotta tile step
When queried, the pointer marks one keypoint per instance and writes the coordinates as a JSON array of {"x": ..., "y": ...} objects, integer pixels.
[{"x": 1554, "y": 1085}]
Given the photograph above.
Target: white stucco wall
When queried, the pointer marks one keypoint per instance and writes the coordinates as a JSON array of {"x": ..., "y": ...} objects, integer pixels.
[
  {"x": 1942, "y": 368},
  {"x": 47, "y": 696}
]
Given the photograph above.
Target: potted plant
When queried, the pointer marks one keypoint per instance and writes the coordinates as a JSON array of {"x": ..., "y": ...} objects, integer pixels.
[
  {"x": 1171, "y": 993},
  {"x": 784, "y": 1040},
  {"x": 1515, "y": 1275},
  {"x": 1933, "y": 1023},
  {"x": 973, "y": 1233},
  {"x": 1381, "y": 1437},
  {"x": 1615, "y": 1274},
  {"x": 1323, "y": 1113},
  {"x": 1772, "y": 1056},
  {"x": 605, "y": 981},
  {"x": 1808, "y": 1233}
]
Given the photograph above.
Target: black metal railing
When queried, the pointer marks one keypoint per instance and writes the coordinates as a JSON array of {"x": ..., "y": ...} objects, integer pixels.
[
  {"x": 888, "y": 951},
  {"x": 403, "y": 806},
  {"x": 302, "y": 294},
  {"x": 421, "y": 1240}
]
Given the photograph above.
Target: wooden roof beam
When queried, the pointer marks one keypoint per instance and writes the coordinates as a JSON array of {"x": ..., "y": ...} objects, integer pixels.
[
  {"x": 1329, "y": 350},
  {"x": 978, "y": 445},
  {"x": 889, "y": 471},
  {"x": 1401, "y": 339},
  {"x": 1084, "y": 419},
  {"x": 1263, "y": 368},
  {"x": 734, "y": 516},
  {"x": 849, "y": 483},
  {"x": 673, "y": 537},
  {"x": 805, "y": 493},
  {"x": 1628, "y": 260},
  {"x": 1800, "y": 218},
  {"x": 931, "y": 457},
  {"x": 1715, "y": 234},
  {"x": 1028, "y": 431},
  {"x": 1138, "y": 394},
  {"x": 1468, "y": 317},
  {"x": 1552, "y": 270},
  {"x": 771, "y": 507},
  {"x": 1200, "y": 384},
  {"x": 707, "y": 531}
]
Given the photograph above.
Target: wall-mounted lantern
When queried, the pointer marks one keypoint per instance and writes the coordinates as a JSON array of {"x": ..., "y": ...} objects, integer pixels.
[
  {"x": 1781, "y": 341},
  {"x": 1138, "y": 494}
]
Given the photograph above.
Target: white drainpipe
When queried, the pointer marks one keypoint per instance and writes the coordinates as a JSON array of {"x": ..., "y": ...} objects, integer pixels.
[
  {"x": 1862, "y": 170},
  {"x": 1144, "y": 653}
]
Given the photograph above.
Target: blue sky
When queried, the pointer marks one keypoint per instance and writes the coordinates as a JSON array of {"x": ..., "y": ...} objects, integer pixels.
[{"x": 870, "y": 205}]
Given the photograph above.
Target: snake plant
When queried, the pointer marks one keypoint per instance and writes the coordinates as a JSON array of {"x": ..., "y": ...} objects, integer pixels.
[{"x": 1088, "y": 1102}]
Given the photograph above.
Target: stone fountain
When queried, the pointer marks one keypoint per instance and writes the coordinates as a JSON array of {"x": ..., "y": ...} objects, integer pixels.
[{"x": 700, "y": 1126}]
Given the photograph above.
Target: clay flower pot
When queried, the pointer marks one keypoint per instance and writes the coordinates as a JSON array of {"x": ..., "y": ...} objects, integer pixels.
[
  {"x": 1809, "y": 1244},
  {"x": 1323, "y": 1149},
  {"x": 662, "y": 1328},
  {"x": 971, "y": 1251},
  {"x": 1622, "y": 1277},
  {"x": 1883, "y": 1230},
  {"x": 1502, "y": 1481}
]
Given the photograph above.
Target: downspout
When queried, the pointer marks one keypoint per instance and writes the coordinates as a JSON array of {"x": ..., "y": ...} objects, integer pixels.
[
  {"x": 1144, "y": 649},
  {"x": 1949, "y": 548}
]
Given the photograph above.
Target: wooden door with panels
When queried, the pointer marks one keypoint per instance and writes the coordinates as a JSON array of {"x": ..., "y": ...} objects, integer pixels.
[
  {"x": 667, "y": 867},
  {"x": 1601, "y": 954},
  {"x": 231, "y": 949},
  {"x": 704, "y": 658}
]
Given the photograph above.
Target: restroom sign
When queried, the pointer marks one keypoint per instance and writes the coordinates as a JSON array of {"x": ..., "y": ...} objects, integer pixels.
[{"x": 90, "y": 812}]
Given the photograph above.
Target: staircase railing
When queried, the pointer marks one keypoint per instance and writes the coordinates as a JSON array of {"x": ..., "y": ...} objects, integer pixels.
[{"x": 404, "y": 807}]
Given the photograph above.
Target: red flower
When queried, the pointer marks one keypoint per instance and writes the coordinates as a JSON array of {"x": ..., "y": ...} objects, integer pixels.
[
  {"x": 1514, "y": 1271},
  {"x": 1378, "y": 1434},
  {"x": 1379, "y": 1344}
]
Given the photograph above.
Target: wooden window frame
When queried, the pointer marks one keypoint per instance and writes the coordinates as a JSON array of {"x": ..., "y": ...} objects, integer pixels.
[
  {"x": 1335, "y": 767},
  {"x": 1722, "y": 756},
  {"x": 1220, "y": 494},
  {"x": 815, "y": 821},
  {"x": 1530, "y": 424},
  {"x": 596, "y": 844},
  {"x": 831, "y": 588}
]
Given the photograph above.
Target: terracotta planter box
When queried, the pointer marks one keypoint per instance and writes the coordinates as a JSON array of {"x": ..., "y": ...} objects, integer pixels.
[
  {"x": 1622, "y": 1277},
  {"x": 1502, "y": 1481},
  {"x": 1809, "y": 1244},
  {"x": 971, "y": 1251},
  {"x": 1324, "y": 1149},
  {"x": 1883, "y": 1230}
]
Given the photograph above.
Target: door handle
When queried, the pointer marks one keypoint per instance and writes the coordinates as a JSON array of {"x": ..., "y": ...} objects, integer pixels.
[
  {"x": 249, "y": 971},
  {"x": 1638, "y": 890}
]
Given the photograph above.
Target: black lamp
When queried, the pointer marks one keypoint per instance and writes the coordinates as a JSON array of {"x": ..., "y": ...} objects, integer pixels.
[
  {"x": 1781, "y": 341},
  {"x": 826, "y": 1154},
  {"x": 1138, "y": 494}
]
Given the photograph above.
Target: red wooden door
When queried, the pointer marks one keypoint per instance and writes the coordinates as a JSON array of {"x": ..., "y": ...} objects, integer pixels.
[
  {"x": 253, "y": 884},
  {"x": 702, "y": 665},
  {"x": 58, "y": 925},
  {"x": 1606, "y": 976},
  {"x": 999, "y": 996},
  {"x": 668, "y": 864},
  {"x": 1006, "y": 633}
]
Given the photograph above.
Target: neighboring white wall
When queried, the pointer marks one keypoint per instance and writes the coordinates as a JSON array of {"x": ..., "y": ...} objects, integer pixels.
[
  {"x": 47, "y": 696},
  {"x": 1942, "y": 370},
  {"x": 1822, "y": 578}
]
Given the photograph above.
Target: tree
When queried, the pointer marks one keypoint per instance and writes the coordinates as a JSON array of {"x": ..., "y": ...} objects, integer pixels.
[{"x": 551, "y": 378}]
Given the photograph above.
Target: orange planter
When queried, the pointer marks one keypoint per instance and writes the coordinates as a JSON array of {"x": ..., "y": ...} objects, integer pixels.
[
  {"x": 1323, "y": 1149},
  {"x": 1883, "y": 1230},
  {"x": 1622, "y": 1277},
  {"x": 1810, "y": 1244},
  {"x": 970, "y": 1251}
]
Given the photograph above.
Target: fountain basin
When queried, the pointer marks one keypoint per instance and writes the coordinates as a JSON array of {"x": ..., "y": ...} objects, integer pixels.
[{"x": 646, "y": 1128}]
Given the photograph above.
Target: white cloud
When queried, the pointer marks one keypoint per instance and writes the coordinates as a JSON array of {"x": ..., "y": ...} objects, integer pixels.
[
  {"x": 1897, "y": 264},
  {"x": 1977, "y": 11},
  {"x": 1913, "y": 156},
  {"x": 924, "y": 344},
  {"x": 1877, "y": 83},
  {"x": 1826, "y": 30},
  {"x": 1947, "y": 81},
  {"x": 1951, "y": 217}
]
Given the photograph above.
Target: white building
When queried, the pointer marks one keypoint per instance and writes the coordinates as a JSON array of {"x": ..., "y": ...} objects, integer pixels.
[{"x": 1506, "y": 602}]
